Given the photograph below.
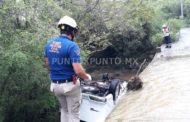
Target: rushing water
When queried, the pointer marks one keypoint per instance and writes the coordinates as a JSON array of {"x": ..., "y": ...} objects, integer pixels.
[{"x": 165, "y": 96}]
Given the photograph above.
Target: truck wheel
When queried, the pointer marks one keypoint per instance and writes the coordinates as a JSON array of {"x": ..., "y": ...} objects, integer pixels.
[{"x": 114, "y": 88}]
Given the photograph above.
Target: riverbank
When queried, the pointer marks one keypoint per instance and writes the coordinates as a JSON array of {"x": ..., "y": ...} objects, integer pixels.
[{"x": 123, "y": 74}]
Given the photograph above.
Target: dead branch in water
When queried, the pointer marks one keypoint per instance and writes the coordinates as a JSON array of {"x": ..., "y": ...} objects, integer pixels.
[{"x": 140, "y": 67}]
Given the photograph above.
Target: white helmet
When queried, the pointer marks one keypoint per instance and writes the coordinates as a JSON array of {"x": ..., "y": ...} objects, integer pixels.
[
  {"x": 164, "y": 26},
  {"x": 68, "y": 21}
]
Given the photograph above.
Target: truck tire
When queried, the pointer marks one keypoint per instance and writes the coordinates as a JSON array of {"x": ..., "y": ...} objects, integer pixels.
[{"x": 114, "y": 88}]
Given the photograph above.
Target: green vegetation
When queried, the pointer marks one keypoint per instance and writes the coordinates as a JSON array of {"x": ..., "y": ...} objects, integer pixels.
[
  {"x": 132, "y": 28},
  {"x": 168, "y": 12}
]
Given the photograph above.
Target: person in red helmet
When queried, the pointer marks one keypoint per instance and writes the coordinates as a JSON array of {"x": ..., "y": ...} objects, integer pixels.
[{"x": 62, "y": 59}]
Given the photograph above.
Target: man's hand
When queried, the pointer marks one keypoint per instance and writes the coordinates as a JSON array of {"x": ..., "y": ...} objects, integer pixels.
[
  {"x": 79, "y": 70},
  {"x": 89, "y": 78}
]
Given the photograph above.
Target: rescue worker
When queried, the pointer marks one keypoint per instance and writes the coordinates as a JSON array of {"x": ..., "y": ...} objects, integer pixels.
[
  {"x": 62, "y": 59},
  {"x": 166, "y": 36}
]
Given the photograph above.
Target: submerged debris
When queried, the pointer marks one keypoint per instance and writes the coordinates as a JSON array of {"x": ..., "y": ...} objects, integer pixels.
[{"x": 135, "y": 83}]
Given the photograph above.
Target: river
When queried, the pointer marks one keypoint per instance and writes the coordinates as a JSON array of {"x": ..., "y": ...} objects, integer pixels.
[{"x": 165, "y": 96}]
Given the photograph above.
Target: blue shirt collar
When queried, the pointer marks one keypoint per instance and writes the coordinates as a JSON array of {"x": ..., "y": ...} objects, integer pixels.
[{"x": 64, "y": 36}]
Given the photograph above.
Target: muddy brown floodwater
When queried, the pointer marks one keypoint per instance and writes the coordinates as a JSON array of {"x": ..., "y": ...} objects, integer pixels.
[{"x": 165, "y": 96}]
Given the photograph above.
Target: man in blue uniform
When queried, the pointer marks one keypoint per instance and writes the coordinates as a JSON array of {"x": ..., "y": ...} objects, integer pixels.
[{"x": 62, "y": 59}]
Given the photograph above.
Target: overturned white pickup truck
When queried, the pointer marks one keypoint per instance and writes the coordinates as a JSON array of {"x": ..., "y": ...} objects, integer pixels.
[{"x": 100, "y": 97}]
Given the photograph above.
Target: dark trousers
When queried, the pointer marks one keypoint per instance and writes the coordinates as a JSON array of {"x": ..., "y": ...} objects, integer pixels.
[{"x": 167, "y": 40}]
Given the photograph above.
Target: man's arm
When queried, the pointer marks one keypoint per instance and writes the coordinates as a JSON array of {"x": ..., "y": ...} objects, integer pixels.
[
  {"x": 74, "y": 54},
  {"x": 79, "y": 70}
]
